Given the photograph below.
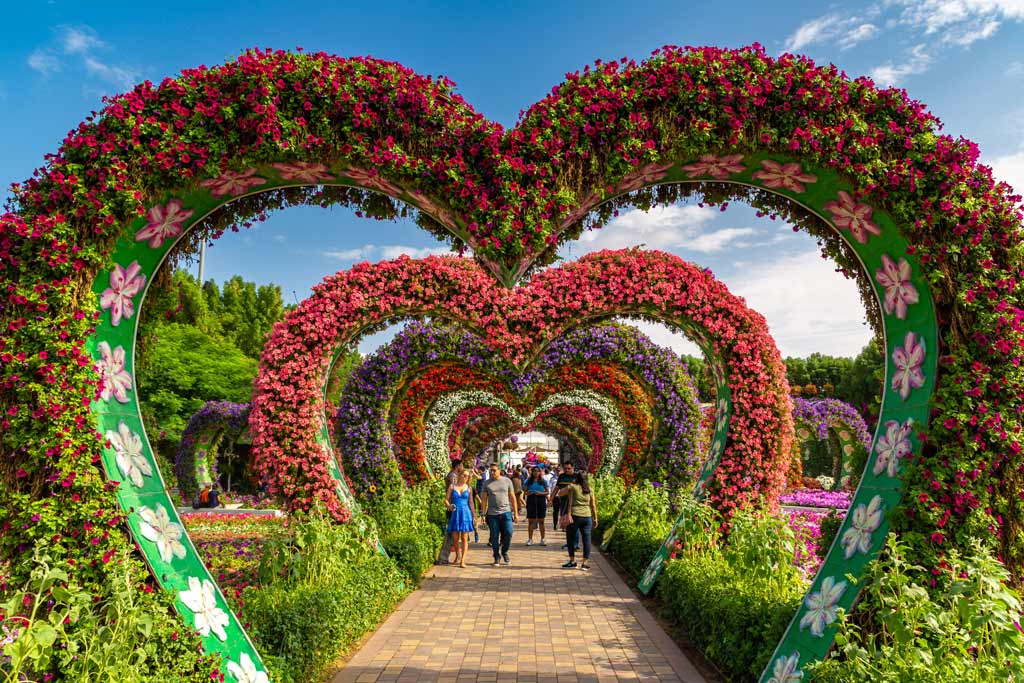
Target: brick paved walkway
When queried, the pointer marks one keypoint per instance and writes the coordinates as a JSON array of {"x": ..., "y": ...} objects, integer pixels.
[{"x": 512, "y": 626}]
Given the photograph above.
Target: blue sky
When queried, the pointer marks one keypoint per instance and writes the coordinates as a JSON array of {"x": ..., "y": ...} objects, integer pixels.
[{"x": 963, "y": 58}]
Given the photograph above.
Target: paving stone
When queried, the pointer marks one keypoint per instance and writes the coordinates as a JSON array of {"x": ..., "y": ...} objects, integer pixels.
[{"x": 486, "y": 624}]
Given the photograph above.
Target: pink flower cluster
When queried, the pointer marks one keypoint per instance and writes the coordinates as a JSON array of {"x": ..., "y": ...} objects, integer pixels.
[{"x": 288, "y": 403}]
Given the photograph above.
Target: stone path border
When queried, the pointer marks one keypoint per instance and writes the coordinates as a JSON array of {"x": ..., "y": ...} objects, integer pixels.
[{"x": 486, "y": 624}]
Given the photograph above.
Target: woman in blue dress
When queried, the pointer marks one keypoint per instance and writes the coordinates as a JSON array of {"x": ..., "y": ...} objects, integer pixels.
[{"x": 462, "y": 504}]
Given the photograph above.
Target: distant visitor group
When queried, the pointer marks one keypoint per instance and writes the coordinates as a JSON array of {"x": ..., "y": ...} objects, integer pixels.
[{"x": 496, "y": 497}]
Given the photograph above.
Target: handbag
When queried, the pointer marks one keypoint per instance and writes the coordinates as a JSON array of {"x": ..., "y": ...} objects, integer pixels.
[{"x": 565, "y": 520}]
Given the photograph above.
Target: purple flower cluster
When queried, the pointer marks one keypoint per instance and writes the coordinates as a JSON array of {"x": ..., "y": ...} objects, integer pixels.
[
  {"x": 363, "y": 432},
  {"x": 813, "y": 498},
  {"x": 214, "y": 422},
  {"x": 823, "y": 414}
]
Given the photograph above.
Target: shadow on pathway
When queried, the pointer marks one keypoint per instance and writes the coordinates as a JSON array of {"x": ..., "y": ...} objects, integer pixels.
[{"x": 520, "y": 623}]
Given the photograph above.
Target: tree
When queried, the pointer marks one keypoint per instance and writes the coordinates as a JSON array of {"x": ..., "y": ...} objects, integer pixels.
[
  {"x": 862, "y": 385},
  {"x": 185, "y": 368}
]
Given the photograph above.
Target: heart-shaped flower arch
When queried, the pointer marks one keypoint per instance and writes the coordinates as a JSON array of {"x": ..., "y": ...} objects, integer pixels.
[
  {"x": 877, "y": 160},
  {"x": 477, "y": 429},
  {"x": 364, "y": 427}
]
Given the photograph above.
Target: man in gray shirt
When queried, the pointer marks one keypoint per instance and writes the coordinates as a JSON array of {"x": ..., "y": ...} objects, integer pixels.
[{"x": 500, "y": 510}]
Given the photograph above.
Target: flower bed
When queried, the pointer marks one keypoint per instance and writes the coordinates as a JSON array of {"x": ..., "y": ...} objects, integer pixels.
[{"x": 816, "y": 498}]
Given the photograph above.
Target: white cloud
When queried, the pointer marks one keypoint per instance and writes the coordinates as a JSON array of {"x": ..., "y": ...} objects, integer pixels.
[
  {"x": 393, "y": 251},
  {"x": 811, "y": 32},
  {"x": 43, "y": 62},
  {"x": 1014, "y": 69},
  {"x": 280, "y": 239},
  {"x": 1010, "y": 168},
  {"x": 917, "y": 61},
  {"x": 77, "y": 46},
  {"x": 123, "y": 77},
  {"x": 959, "y": 22},
  {"x": 833, "y": 28},
  {"x": 857, "y": 35},
  {"x": 672, "y": 227},
  {"x": 78, "y": 40},
  {"x": 809, "y": 307},
  {"x": 663, "y": 335},
  {"x": 383, "y": 252}
]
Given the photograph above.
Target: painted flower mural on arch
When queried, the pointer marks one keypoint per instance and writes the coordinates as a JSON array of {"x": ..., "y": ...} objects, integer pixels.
[{"x": 125, "y": 285}]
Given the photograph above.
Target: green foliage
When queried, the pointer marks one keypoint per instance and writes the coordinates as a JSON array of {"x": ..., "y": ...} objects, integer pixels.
[
  {"x": 323, "y": 585},
  {"x": 412, "y": 526},
  {"x": 962, "y": 631},
  {"x": 305, "y": 628},
  {"x": 185, "y": 368},
  {"x": 642, "y": 525},
  {"x": 700, "y": 372},
  {"x": 610, "y": 493},
  {"x": 735, "y": 620},
  {"x": 830, "y": 524},
  {"x": 734, "y": 598},
  {"x": 121, "y": 635},
  {"x": 858, "y": 381}
]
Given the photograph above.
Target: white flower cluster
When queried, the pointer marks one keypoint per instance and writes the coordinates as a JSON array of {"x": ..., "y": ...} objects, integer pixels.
[{"x": 443, "y": 412}]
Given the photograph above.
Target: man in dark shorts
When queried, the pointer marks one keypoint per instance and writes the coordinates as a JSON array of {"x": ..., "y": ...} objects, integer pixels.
[
  {"x": 500, "y": 511},
  {"x": 568, "y": 476}
]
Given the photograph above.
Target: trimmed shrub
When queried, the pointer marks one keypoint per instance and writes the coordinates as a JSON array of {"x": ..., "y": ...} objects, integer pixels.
[{"x": 643, "y": 522}]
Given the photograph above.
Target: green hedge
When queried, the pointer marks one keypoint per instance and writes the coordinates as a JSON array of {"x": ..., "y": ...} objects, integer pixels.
[
  {"x": 734, "y": 620},
  {"x": 411, "y": 527},
  {"x": 304, "y": 629},
  {"x": 643, "y": 522},
  {"x": 611, "y": 494}
]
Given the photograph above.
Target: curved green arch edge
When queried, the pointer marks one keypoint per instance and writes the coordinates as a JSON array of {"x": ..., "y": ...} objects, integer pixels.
[
  {"x": 798, "y": 645},
  {"x": 848, "y": 444}
]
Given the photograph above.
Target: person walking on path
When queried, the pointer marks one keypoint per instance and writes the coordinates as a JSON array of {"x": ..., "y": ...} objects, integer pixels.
[
  {"x": 582, "y": 505},
  {"x": 567, "y": 477},
  {"x": 517, "y": 485},
  {"x": 463, "y": 511},
  {"x": 501, "y": 510},
  {"x": 450, "y": 480},
  {"x": 536, "y": 505}
]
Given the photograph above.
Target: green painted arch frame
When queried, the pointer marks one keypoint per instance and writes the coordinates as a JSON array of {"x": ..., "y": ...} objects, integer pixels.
[
  {"x": 906, "y": 337},
  {"x": 900, "y": 420}
]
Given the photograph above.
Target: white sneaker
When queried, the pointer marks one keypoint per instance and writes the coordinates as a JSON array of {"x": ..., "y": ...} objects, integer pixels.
[
  {"x": 543, "y": 542},
  {"x": 529, "y": 542}
]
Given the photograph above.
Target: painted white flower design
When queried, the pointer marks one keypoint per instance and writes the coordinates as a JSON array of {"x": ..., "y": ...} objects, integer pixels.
[
  {"x": 245, "y": 671},
  {"x": 789, "y": 176},
  {"x": 899, "y": 291},
  {"x": 128, "y": 453},
  {"x": 908, "y": 360},
  {"x": 787, "y": 670},
  {"x": 156, "y": 525},
  {"x": 164, "y": 222},
  {"x": 125, "y": 284},
  {"x": 233, "y": 183},
  {"x": 821, "y": 606},
  {"x": 847, "y": 214},
  {"x": 719, "y": 168},
  {"x": 201, "y": 600},
  {"x": 116, "y": 382},
  {"x": 303, "y": 171},
  {"x": 372, "y": 180},
  {"x": 892, "y": 447},
  {"x": 866, "y": 519},
  {"x": 651, "y": 173}
]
